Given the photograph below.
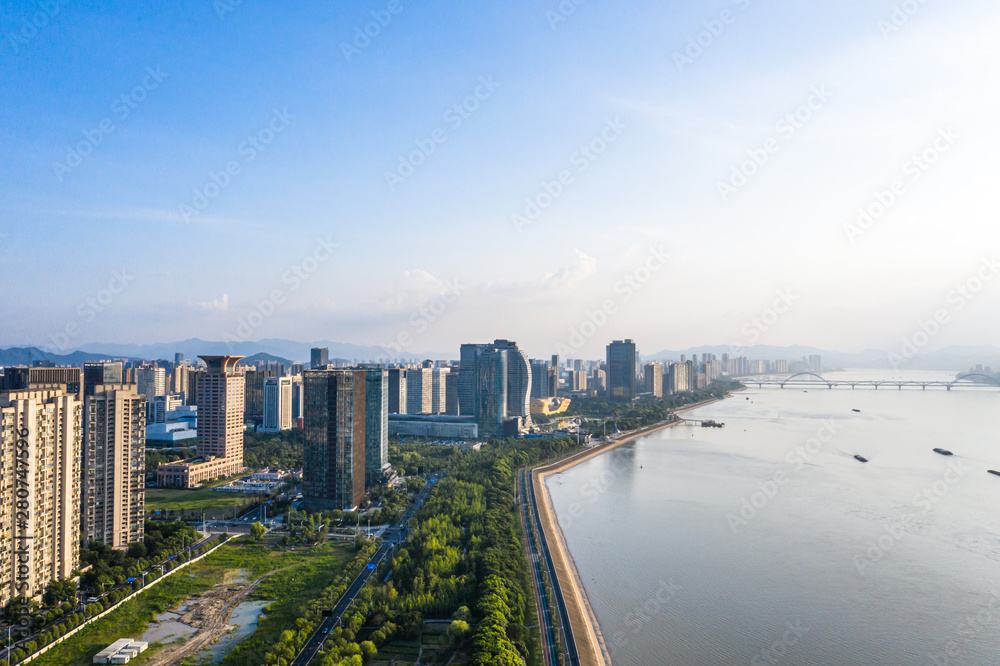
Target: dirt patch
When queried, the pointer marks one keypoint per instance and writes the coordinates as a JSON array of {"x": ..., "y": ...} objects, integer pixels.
[{"x": 209, "y": 615}]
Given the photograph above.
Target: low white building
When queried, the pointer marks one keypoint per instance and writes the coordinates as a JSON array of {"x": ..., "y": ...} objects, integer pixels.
[{"x": 121, "y": 651}]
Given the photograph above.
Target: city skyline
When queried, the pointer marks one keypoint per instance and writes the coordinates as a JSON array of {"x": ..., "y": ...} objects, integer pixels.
[{"x": 304, "y": 169}]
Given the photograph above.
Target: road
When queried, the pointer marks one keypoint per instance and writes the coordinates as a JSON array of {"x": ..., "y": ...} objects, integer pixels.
[
  {"x": 550, "y": 647},
  {"x": 544, "y": 559},
  {"x": 393, "y": 536}
]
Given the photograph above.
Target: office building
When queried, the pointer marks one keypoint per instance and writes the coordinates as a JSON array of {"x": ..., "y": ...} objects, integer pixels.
[
  {"x": 439, "y": 390},
  {"x": 333, "y": 474},
  {"x": 114, "y": 466},
  {"x": 597, "y": 381},
  {"x": 376, "y": 425},
  {"x": 102, "y": 372},
  {"x": 220, "y": 427},
  {"x": 554, "y": 377},
  {"x": 516, "y": 386},
  {"x": 491, "y": 391},
  {"x": 298, "y": 399},
  {"x": 277, "y": 404},
  {"x": 621, "y": 369},
  {"x": 40, "y": 452},
  {"x": 443, "y": 426},
  {"x": 419, "y": 391},
  {"x": 253, "y": 407},
  {"x": 151, "y": 382},
  {"x": 397, "y": 390},
  {"x": 653, "y": 376},
  {"x": 319, "y": 357},
  {"x": 468, "y": 358},
  {"x": 451, "y": 392},
  {"x": 164, "y": 404},
  {"x": 191, "y": 397},
  {"x": 179, "y": 380},
  {"x": 539, "y": 380},
  {"x": 22, "y": 378}
]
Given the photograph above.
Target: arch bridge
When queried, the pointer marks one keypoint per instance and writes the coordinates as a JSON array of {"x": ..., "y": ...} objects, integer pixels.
[{"x": 813, "y": 380}]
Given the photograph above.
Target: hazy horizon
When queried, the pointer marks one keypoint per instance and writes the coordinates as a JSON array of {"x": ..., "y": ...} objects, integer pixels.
[{"x": 526, "y": 171}]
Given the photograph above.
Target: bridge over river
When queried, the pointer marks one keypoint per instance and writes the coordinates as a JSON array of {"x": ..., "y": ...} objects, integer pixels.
[{"x": 804, "y": 380}]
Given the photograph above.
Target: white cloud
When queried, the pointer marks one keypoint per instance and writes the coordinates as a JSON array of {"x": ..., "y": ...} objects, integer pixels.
[{"x": 217, "y": 305}]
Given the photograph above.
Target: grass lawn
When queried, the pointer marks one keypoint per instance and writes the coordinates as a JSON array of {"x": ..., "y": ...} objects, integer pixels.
[
  {"x": 310, "y": 571},
  {"x": 197, "y": 499}
]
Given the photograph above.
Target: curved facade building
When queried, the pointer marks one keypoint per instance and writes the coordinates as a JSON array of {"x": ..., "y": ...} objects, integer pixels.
[
  {"x": 480, "y": 391},
  {"x": 518, "y": 381}
]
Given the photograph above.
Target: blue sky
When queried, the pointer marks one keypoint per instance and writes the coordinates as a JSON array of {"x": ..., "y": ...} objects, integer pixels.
[{"x": 329, "y": 128}]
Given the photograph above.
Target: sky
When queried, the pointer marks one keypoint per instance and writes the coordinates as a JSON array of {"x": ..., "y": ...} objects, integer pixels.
[{"x": 563, "y": 174}]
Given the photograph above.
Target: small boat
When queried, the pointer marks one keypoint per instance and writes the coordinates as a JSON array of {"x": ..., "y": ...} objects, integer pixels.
[
  {"x": 860, "y": 458},
  {"x": 856, "y": 410},
  {"x": 944, "y": 452},
  {"x": 993, "y": 471}
]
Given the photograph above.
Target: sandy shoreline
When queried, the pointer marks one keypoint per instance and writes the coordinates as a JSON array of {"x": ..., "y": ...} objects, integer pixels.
[{"x": 586, "y": 630}]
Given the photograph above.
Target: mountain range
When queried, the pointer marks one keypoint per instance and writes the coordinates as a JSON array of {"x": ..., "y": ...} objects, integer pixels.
[{"x": 954, "y": 358}]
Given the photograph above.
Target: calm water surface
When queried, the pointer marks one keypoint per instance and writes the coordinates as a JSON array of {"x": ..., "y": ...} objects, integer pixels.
[{"x": 766, "y": 542}]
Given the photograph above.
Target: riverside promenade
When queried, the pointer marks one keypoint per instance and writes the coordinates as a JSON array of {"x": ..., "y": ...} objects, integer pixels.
[{"x": 586, "y": 631}]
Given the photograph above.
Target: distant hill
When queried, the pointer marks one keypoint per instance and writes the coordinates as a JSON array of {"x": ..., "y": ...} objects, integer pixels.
[
  {"x": 289, "y": 350},
  {"x": 263, "y": 357},
  {"x": 954, "y": 358},
  {"x": 26, "y": 355}
]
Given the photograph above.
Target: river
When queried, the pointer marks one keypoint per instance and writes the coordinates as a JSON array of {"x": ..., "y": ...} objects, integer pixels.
[{"x": 767, "y": 542}]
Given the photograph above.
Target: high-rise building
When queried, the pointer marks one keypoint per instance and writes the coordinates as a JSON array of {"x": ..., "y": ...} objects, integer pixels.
[
  {"x": 298, "y": 399},
  {"x": 597, "y": 381},
  {"x": 178, "y": 358},
  {"x": 420, "y": 391},
  {"x": 653, "y": 376},
  {"x": 376, "y": 425},
  {"x": 277, "y": 404},
  {"x": 319, "y": 357},
  {"x": 439, "y": 390},
  {"x": 518, "y": 381},
  {"x": 397, "y": 391},
  {"x": 191, "y": 397},
  {"x": 468, "y": 358},
  {"x": 220, "y": 427},
  {"x": 491, "y": 391},
  {"x": 554, "y": 377},
  {"x": 451, "y": 392},
  {"x": 179, "y": 380},
  {"x": 539, "y": 380},
  {"x": 114, "y": 466},
  {"x": 101, "y": 372},
  {"x": 517, "y": 384},
  {"x": 151, "y": 382},
  {"x": 40, "y": 452},
  {"x": 333, "y": 474},
  {"x": 253, "y": 407},
  {"x": 21, "y": 378},
  {"x": 621, "y": 370}
]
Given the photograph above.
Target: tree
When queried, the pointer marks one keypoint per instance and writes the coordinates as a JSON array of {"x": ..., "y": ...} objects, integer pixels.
[
  {"x": 463, "y": 613},
  {"x": 368, "y": 650},
  {"x": 257, "y": 531},
  {"x": 59, "y": 590},
  {"x": 457, "y": 630}
]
